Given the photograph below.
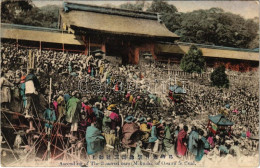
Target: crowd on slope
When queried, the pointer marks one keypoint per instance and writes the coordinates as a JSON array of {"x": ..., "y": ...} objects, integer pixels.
[{"x": 114, "y": 108}]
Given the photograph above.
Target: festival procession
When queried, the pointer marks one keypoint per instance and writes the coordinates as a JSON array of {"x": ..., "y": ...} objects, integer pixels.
[{"x": 61, "y": 105}]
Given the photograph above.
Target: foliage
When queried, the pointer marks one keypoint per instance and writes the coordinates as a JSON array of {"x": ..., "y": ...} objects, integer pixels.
[
  {"x": 138, "y": 6},
  {"x": 219, "y": 78},
  {"x": 25, "y": 13},
  {"x": 214, "y": 26},
  {"x": 193, "y": 61},
  {"x": 169, "y": 14}
]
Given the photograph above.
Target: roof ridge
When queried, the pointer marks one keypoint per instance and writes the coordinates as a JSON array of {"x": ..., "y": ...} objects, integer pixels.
[
  {"x": 109, "y": 10},
  {"x": 116, "y": 8}
]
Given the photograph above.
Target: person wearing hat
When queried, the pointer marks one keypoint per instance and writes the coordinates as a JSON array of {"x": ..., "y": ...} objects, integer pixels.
[
  {"x": 129, "y": 129},
  {"x": 145, "y": 131},
  {"x": 168, "y": 139},
  {"x": 115, "y": 119},
  {"x": 193, "y": 141},
  {"x": 109, "y": 134},
  {"x": 153, "y": 139},
  {"x": 223, "y": 149}
]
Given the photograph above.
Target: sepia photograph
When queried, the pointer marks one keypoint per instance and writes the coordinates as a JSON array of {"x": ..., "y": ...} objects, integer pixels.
[{"x": 129, "y": 83}]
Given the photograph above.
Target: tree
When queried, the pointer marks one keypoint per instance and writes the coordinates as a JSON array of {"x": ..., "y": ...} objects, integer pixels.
[
  {"x": 217, "y": 27},
  {"x": 193, "y": 61},
  {"x": 219, "y": 78},
  {"x": 169, "y": 15},
  {"x": 162, "y": 7},
  {"x": 25, "y": 13},
  {"x": 138, "y": 6}
]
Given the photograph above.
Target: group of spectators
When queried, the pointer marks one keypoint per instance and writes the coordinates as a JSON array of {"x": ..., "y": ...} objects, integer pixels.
[{"x": 114, "y": 108}]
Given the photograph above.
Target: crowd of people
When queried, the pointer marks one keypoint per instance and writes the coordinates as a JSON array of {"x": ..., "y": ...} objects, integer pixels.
[{"x": 114, "y": 108}]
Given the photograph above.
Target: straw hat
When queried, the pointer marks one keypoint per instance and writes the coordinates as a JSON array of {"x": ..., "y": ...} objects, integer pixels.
[
  {"x": 129, "y": 119},
  {"x": 142, "y": 120},
  {"x": 155, "y": 122}
]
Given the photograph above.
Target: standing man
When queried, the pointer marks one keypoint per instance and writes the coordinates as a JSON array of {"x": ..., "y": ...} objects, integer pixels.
[{"x": 32, "y": 86}]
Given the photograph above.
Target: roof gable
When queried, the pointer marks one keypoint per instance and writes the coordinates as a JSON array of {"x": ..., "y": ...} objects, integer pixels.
[{"x": 115, "y": 22}]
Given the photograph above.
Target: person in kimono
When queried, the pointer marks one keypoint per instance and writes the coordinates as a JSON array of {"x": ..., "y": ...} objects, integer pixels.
[
  {"x": 129, "y": 130},
  {"x": 109, "y": 133},
  {"x": 5, "y": 91},
  {"x": 193, "y": 142},
  {"x": 202, "y": 145},
  {"x": 95, "y": 140},
  {"x": 153, "y": 139},
  {"x": 50, "y": 117},
  {"x": 145, "y": 132},
  {"x": 182, "y": 142},
  {"x": 72, "y": 114},
  {"x": 15, "y": 95},
  {"x": 168, "y": 139},
  {"x": 61, "y": 106},
  {"x": 88, "y": 109}
]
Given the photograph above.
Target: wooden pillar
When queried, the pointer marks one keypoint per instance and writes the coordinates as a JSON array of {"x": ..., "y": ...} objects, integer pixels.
[
  {"x": 86, "y": 51},
  {"x": 152, "y": 46},
  {"x": 17, "y": 44},
  {"x": 86, "y": 45},
  {"x": 63, "y": 47},
  {"x": 136, "y": 55},
  {"x": 103, "y": 47},
  {"x": 168, "y": 66},
  {"x": 40, "y": 46}
]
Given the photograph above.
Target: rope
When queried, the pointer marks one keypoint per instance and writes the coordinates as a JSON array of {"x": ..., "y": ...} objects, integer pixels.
[
  {"x": 9, "y": 146},
  {"x": 13, "y": 126}
]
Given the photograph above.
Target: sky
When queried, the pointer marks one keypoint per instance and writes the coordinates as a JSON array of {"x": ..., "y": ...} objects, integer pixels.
[{"x": 246, "y": 9}]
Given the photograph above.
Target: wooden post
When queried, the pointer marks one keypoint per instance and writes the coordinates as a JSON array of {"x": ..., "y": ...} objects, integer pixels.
[
  {"x": 168, "y": 66},
  {"x": 17, "y": 44},
  {"x": 29, "y": 61},
  {"x": 103, "y": 47},
  {"x": 50, "y": 92},
  {"x": 48, "y": 132},
  {"x": 63, "y": 48},
  {"x": 89, "y": 46},
  {"x": 33, "y": 60},
  {"x": 40, "y": 45}
]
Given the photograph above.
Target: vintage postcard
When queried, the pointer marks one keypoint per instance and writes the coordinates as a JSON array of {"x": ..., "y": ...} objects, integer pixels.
[{"x": 129, "y": 83}]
